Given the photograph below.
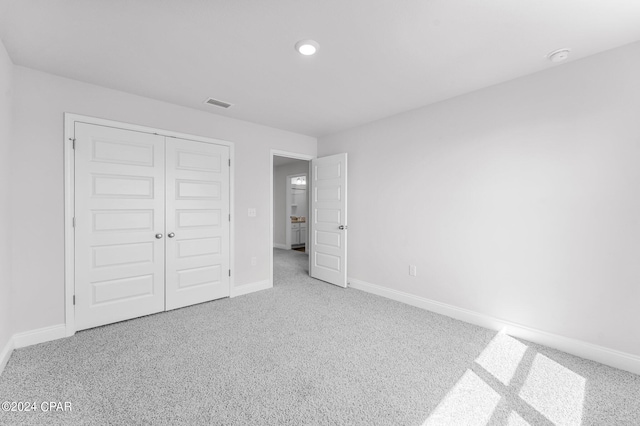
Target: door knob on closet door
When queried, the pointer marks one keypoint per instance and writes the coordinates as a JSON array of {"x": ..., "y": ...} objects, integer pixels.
[
  {"x": 171, "y": 235},
  {"x": 342, "y": 227},
  {"x": 158, "y": 236}
]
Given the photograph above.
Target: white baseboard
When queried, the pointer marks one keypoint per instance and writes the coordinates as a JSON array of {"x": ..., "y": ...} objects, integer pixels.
[
  {"x": 251, "y": 288},
  {"x": 5, "y": 354},
  {"x": 28, "y": 338},
  {"x": 604, "y": 355},
  {"x": 281, "y": 246},
  {"x": 40, "y": 335}
]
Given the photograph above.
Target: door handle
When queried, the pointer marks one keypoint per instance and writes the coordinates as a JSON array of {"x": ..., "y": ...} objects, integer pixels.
[
  {"x": 342, "y": 227},
  {"x": 171, "y": 235},
  {"x": 158, "y": 236}
]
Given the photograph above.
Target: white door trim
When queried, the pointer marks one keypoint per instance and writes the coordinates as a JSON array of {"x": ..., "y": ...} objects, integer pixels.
[
  {"x": 69, "y": 197},
  {"x": 288, "y": 154}
]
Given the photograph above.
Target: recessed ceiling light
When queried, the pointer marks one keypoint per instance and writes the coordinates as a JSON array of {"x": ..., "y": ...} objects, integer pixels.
[
  {"x": 558, "y": 55},
  {"x": 307, "y": 47}
]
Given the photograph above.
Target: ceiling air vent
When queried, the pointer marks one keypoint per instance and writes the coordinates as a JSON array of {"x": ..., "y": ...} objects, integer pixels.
[{"x": 217, "y": 103}]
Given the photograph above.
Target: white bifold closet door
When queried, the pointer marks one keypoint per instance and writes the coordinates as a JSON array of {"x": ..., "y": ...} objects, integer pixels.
[
  {"x": 151, "y": 224},
  {"x": 197, "y": 247}
]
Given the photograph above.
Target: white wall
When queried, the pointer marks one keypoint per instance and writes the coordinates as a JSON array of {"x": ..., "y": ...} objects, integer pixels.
[
  {"x": 280, "y": 213},
  {"x": 37, "y": 169},
  {"x": 6, "y": 74},
  {"x": 520, "y": 201}
]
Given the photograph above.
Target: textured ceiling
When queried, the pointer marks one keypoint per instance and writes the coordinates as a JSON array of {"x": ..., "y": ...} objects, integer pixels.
[{"x": 377, "y": 58}]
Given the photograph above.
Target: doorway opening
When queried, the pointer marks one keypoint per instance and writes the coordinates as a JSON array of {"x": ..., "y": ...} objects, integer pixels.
[
  {"x": 289, "y": 203},
  {"x": 321, "y": 226},
  {"x": 296, "y": 207}
]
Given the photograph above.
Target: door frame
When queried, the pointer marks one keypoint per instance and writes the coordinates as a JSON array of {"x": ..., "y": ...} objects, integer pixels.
[
  {"x": 69, "y": 198},
  {"x": 287, "y": 229},
  {"x": 287, "y": 154}
]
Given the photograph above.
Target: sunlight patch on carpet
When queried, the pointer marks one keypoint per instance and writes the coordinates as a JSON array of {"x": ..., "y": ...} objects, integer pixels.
[
  {"x": 502, "y": 357},
  {"x": 549, "y": 390},
  {"x": 470, "y": 402},
  {"x": 554, "y": 391},
  {"x": 515, "y": 420}
]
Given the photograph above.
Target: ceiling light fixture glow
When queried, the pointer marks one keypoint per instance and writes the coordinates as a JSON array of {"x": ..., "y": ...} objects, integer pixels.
[{"x": 307, "y": 47}]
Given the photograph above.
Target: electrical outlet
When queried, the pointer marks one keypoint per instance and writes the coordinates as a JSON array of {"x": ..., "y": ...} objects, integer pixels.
[
  {"x": 254, "y": 261},
  {"x": 252, "y": 212},
  {"x": 413, "y": 271}
]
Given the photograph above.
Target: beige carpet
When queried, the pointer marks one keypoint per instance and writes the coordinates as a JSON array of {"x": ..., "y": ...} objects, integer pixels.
[{"x": 309, "y": 353}]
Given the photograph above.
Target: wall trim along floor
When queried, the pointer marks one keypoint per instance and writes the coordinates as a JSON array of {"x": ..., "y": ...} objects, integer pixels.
[
  {"x": 28, "y": 338},
  {"x": 5, "y": 354},
  {"x": 40, "y": 335},
  {"x": 604, "y": 355},
  {"x": 250, "y": 288}
]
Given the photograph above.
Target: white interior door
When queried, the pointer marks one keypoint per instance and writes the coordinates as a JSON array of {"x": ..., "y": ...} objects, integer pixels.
[
  {"x": 198, "y": 228},
  {"x": 119, "y": 205},
  {"x": 328, "y": 248}
]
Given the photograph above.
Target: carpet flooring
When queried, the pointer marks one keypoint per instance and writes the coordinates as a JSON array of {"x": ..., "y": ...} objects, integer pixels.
[{"x": 309, "y": 353}]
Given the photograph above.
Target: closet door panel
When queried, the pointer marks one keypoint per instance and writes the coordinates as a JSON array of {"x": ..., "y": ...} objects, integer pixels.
[
  {"x": 119, "y": 209},
  {"x": 197, "y": 217}
]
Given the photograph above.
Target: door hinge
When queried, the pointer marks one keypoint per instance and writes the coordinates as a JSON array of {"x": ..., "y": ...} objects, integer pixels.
[
  {"x": 74, "y": 299},
  {"x": 73, "y": 143},
  {"x": 229, "y": 272},
  {"x": 74, "y": 222},
  {"x": 229, "y": 162},
  {"x": 229, "y": 217}
]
